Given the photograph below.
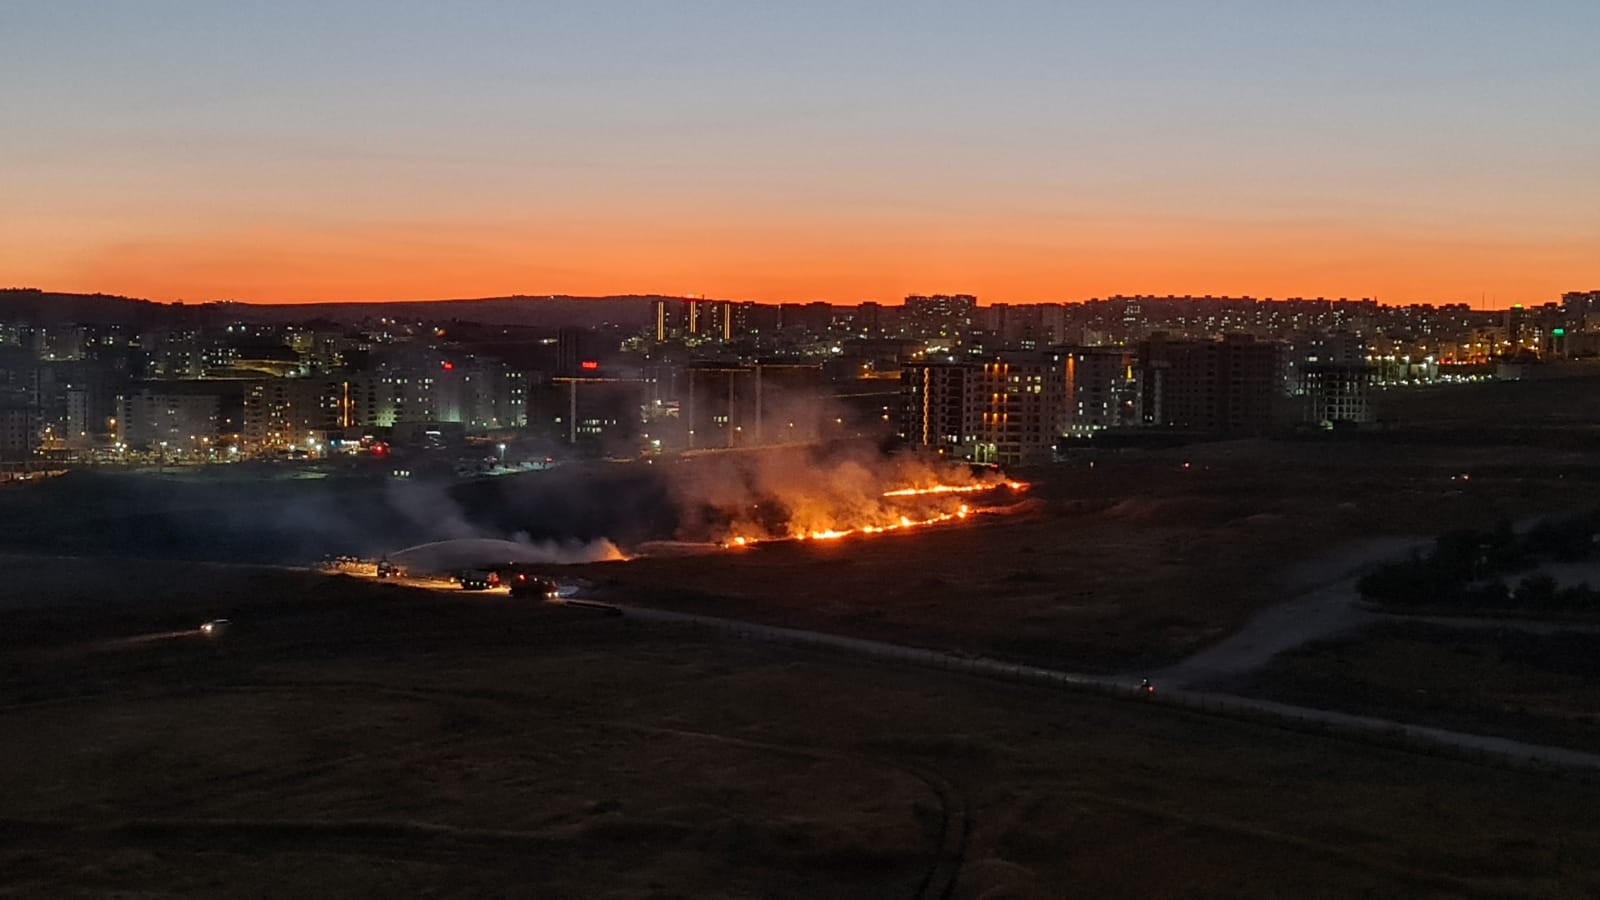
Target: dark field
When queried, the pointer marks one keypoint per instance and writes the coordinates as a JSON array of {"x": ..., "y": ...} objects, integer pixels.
[
  {"x": 1553, "y": 410},
  {"x": 350, "y": 738},
  {"x": 1542, "y": 688}
]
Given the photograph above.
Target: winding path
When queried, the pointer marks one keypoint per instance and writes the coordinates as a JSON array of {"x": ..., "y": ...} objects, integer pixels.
[
  {"x": 1307, "y": 718},
  {"x": 1322, "y": 612}
]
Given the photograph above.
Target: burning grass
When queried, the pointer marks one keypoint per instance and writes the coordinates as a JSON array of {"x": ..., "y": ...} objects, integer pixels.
[
  {"x": 1129, "y": 564},
  {"x": 920, "y": 516},
  {"x": 804, "y": 495}
]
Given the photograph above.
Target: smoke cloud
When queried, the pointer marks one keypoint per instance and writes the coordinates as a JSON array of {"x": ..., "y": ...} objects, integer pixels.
[
  {"x": 467, "y": 552},
  {"x": 579, "y": 513},
  {"x": 795, "y": 492}
]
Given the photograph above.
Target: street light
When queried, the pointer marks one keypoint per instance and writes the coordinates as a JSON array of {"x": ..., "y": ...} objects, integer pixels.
[{"x": 502, "y": 452}]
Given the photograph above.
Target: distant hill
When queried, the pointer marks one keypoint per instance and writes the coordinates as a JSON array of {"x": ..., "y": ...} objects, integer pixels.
[
  {"x": 552, "y": 311},
  {"x": 52, "y": 308}
]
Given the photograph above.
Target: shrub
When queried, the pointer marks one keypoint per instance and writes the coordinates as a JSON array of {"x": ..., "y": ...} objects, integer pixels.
[{"x": 1463, "y": 556}]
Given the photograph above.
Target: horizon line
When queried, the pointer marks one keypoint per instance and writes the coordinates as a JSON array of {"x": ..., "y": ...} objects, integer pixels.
[{"x": 1482, "y": 306}]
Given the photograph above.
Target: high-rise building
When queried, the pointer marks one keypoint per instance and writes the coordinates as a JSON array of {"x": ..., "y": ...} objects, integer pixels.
[
  {"x": 933, "y": 404},
  {"x": 1025, "y": 326},
  {"x": 709, "y": 320},
  {"x": 175, "y": 353},
  {"x": 940, "y": 315},
  {"x": 1053, "y": 322},
  {"x": 707, "y": 405},
  {"x": 20, "y": 419},
  {"x": 868, "y": 320},
  {"x": 1102, "y": 388},
  {"x": 781, "y": 403},
  {"x": 179, "y": 424},
  {"x": 280, "y": 413},
  {"x": 1582, "y": 307},
  {"x": 19, "y": 377},
  {"x": 574, "y": 347},
  {"x": 751, "y": 319},
  {"x": 19, "y": 433},
  {"x": 1018, "y": 399},
  {"x": 694, "y": 320},
  {"x": 1010, "y": 408},
  {"x": 724, "y": 405},
  {"x": 77, "y": 401},
  {"x": 671, "y": 317},
  {"x": 1226, "y": 386},
  {"x": 1334, "y": 380},
  {"x": 600, "y": 415},
  {"x": 806, "y": 319}
]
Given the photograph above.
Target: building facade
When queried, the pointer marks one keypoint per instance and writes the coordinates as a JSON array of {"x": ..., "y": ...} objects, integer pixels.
[
  {"x": 175, "y": 424},
  {"x": 1102, "y": 388},
  {"x": 1228, "y": 386},
  {"x": 1010, "y": 408},
  {"x": 940, "y": 315},
  {"x": 1334, "y": 381},
  {"x": 933, "y": 403}
]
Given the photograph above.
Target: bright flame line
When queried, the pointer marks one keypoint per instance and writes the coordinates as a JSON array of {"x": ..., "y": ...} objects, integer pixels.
[
  {"x": 832, "y": 534},
  {"x": 955, "y": 489},
  {"x": 904, "y": 522}
]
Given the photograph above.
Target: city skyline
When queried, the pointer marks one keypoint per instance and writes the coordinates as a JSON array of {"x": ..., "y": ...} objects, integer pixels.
[{"x": 1036, "y": 154}]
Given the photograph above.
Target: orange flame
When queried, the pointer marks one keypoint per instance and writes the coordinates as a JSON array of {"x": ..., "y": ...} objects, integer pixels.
[
  {"x": 955, "y": 489},
  {"x": 833, "y": 534},
  {"x": 898, "y": 522}
]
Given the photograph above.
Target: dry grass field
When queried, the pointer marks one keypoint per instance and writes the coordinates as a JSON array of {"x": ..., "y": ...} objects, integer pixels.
[
  {"x": 1134, "y": 562},
  {"x": 1533, "y": 687},
  {"x": 349, "y": 738}
]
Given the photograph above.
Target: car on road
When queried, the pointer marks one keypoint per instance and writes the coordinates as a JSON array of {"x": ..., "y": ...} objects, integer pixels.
[
  {"x": 477, "y": 580},
  {"x": 214, "y": 628},
  {"x": 533, "y": 587}
]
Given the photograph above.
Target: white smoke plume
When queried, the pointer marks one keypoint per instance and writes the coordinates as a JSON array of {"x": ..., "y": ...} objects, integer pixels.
[
  {"x": 460, "y": 553},
  {"x": 804, "y": 491}
]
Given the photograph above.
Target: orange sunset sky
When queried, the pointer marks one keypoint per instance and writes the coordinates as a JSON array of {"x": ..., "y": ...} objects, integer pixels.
[{"x": 749, "y": 151}]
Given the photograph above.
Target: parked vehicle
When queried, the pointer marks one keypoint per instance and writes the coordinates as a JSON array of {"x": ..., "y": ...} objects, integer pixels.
[{"x": 525, "y": 585}]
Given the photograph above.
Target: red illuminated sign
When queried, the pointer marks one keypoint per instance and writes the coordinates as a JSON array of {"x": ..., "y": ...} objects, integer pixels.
[
  {"x": 590, "y": 364},
  {"x": 447, "y": 365}
]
